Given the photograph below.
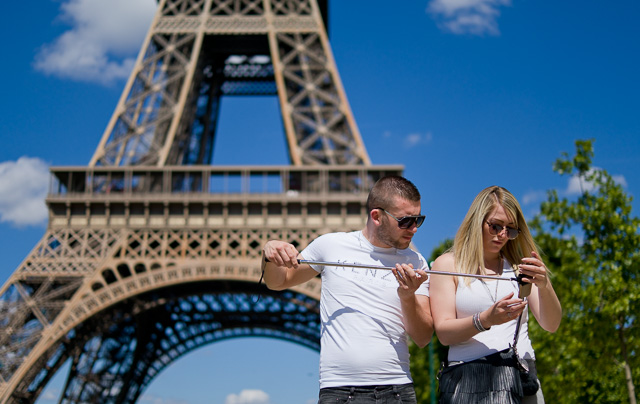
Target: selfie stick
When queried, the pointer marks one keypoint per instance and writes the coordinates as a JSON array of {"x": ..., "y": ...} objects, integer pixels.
[{"x": 341, "y": 264}]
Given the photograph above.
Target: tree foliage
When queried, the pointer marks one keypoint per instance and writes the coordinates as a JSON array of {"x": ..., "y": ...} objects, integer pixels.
[{"x": 591, "y": 246}]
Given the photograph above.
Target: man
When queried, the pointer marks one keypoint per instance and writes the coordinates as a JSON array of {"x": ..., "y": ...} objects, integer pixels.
[{"x": 366, "y": 314}]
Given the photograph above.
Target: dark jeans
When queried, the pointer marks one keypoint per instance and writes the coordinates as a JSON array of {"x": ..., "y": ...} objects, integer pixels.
[{"x": 390, "y": 394}]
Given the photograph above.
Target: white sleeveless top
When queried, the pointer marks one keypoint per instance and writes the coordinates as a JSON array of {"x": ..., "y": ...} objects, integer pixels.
[{"x": 479, "y": 296}]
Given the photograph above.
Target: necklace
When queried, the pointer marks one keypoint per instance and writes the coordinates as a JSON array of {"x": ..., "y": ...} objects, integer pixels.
[{"x": 493, "y": 297}]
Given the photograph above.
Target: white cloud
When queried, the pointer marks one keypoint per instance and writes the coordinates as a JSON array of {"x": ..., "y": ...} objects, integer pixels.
[
  {"x": 533, "y": 197},
  {"x": 577, "y": 186},
  {"x": 619, "y": 179},
  {"x": 103, "y": 40},
  {"x": 414, "y": 139},
  {"x": 49, "y": 396},
  {"x": 248, "y": 397},
  {"x": 477, "y": 17},
  {"x": 151, "y": 399},
  {"x": 23, "y": 189}
]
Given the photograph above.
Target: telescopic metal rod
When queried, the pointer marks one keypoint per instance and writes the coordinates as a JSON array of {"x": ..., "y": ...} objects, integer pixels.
[{"x": 347, "y": 265}]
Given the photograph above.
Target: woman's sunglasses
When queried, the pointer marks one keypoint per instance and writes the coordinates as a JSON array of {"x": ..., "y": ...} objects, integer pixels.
[
  {"x": 495, "y": 229},
  {"x": 406, "y": 222}
]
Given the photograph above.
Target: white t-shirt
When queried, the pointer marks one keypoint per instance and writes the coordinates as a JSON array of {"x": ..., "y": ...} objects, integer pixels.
[
  {"x": 363, "y": 341},
  {"x": 478, "y": 297}
]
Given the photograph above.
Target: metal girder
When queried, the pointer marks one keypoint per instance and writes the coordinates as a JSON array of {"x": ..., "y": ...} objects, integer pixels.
[
  {"x": 199, "y": 51},
  {"x": 117, "y": 361},
  {"x": 150, "y": 251},
  {"x": 107, "y": 245}
]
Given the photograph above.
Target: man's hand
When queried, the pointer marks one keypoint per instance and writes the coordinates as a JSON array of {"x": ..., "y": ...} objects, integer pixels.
[
  {"x": 409, "y": 279},
  {"x": 281, "y": 254}
]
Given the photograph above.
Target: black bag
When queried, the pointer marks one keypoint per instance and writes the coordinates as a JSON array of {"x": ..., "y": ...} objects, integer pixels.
[
  {"x": 529, "y": 378},
  {"x": 527, "y": 368},
  {"x": 500, "y": 378},
  {"x": 491, "y": 379}
]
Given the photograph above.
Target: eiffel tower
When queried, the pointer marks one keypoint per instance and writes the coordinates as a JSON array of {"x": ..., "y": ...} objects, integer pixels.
[{"x": 151, "y": 250}]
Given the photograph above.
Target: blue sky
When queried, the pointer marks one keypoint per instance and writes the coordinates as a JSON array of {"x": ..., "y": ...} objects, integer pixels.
[{"x": 465, "y": 94}]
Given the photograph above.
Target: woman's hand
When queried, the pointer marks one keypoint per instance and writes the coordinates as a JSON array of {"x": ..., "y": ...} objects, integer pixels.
[
  {"x": 534, "y": 270},
  {"x": 504, "y": 310},
  {"x": 543, "y": 300}
]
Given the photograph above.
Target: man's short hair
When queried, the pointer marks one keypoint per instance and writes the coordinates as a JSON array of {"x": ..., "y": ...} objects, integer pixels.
[{"x": 385, "y": 190}]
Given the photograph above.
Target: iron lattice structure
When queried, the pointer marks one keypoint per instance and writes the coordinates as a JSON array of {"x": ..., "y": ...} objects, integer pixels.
[{"x": 151, "y": 251}]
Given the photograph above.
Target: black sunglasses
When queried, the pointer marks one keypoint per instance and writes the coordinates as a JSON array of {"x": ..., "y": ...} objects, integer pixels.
[
  {"x": 495, "y": 229},
  {"x": 406, "y": 222}
]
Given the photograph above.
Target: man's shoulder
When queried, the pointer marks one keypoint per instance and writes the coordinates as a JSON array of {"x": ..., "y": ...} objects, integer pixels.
[
  {"x": 333, "y": 240},
  {"x": 338, "y": 235},
  {"x": 413, "y": 254}
]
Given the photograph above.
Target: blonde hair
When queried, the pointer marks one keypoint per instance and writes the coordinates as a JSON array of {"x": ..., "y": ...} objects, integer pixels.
[{"x": 468, "y": 246}]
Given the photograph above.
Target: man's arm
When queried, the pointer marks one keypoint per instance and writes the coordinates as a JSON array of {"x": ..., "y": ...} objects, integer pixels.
[
  {"x": 416, "y": 310},
  {"x": 281, "y": 268}
]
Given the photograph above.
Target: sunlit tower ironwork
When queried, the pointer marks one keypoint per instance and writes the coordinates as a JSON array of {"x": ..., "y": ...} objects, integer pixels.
[{"x": 152, "y": 250}]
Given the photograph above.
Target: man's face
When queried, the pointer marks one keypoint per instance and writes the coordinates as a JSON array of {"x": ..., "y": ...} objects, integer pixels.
[{"x": 388, "y": 231}]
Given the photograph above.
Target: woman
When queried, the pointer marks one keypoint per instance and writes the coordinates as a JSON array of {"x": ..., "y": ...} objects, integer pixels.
[{"x": 478, "y": 317}]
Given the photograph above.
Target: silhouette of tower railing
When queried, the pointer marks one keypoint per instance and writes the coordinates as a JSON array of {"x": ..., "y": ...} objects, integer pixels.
[{"x": 151, "y": 251}]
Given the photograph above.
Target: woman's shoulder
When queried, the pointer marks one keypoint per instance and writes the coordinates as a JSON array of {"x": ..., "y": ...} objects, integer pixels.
[
  {"x": 444, "y": 263},
  {"x": 445, "y": 260}
]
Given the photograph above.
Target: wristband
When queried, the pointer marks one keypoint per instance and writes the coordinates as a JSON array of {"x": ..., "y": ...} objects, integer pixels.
[{"x": 477, "y": 323}]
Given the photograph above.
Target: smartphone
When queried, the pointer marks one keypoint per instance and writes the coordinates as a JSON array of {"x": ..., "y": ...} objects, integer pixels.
[{"x": 525, "y": 288}]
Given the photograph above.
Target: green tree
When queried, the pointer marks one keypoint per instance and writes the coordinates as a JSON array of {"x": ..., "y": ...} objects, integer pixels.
[{"x": 591, "y": 245}]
